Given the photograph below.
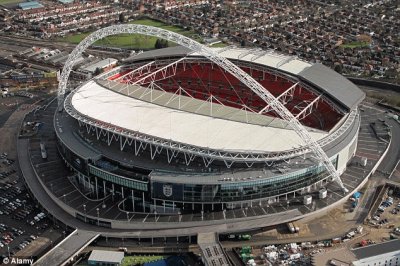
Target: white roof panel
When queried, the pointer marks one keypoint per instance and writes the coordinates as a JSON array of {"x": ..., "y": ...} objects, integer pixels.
[
  {"x": 100, "y": 64},
  {"x": 106, "y": 256},
  {"x": 199, "y": 130},
  {"x": 270, "y": 58}
]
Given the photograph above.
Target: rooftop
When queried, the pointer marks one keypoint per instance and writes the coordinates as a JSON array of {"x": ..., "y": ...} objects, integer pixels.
[
  {"x": 377, "y": 249},
  {"x": 324, "y": 78},
  {"x": 101, "y": 64},
  {"x": 334, "y": 84},
  {"x": 66, "y": 1},
  {"x": 30, "y": 5},
  {"x": 106, "y": 256},
  {"x": 99, "y": 103}
]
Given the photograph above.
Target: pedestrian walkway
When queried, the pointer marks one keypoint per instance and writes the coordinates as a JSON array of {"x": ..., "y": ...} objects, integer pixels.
[
  {"x": 211, "y": 250},
  {"x": 67, "y": 249}
]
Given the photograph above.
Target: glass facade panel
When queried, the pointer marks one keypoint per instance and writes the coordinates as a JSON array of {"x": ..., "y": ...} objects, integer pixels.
[
  {"x": 116, "y": 179},
  {"x": 241, "y": 191}
]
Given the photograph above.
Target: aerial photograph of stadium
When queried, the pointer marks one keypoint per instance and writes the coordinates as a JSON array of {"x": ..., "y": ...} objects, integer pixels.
[{"x": 221, "y": 132}]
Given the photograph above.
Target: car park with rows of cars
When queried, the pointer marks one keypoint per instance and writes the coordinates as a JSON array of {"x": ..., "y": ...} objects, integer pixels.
[{"x": 21, "y": 220}]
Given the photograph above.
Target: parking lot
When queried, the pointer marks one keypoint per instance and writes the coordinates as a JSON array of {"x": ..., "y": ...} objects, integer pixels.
[
  {"x": 21, "y": 220},
  {"x": 388, "y": 213},
  {"x": 23, "y": 225},
  {"x": 20, "y": 101}
]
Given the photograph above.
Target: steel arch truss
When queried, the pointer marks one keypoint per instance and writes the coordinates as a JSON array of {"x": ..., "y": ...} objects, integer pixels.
[{"x": 224, "y": 63}]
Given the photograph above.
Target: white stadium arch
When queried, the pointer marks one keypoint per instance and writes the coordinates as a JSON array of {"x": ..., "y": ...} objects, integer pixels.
[{"x": 224, "y": 63}]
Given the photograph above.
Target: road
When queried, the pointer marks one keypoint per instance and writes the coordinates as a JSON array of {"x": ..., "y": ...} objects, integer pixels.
[
  {"x": 390, "y": 162},
  {"x": 66, "y": 249}
]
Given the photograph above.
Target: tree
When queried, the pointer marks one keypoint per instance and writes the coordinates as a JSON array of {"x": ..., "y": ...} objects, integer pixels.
[
  {"x": 338, "y": 68},
  {"x": 121, "y": 18},
  {"x": 97, "y": 71},
  {"x": 157, "y": 44},
  {"x": 164, "y": 43},
  {"x": 160, "y": 43}
]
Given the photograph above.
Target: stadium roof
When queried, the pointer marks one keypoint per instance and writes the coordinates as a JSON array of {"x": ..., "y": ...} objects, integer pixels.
[
  {"x": 163, "y": 122},
  {"x": 327, "y": 80},
  {"x": 193, "y": 105},
  {"x": 289, "y": 64},
  {"x": 334, "y": 84}
]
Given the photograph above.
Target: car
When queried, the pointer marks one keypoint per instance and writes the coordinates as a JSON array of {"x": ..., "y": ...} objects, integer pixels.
[{"x": 376, "y": 218}]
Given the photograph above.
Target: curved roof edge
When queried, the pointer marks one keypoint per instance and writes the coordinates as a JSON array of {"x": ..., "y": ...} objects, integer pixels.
[
  {"x": 334, "y": 84},
  {"x": 346, "y": 93}
]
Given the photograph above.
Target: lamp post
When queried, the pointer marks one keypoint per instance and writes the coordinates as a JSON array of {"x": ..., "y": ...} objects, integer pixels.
[
  {"x": 8, "y": 249},
  {"x": 84, "y": 210},
  {"x": 98, "y": 218}
]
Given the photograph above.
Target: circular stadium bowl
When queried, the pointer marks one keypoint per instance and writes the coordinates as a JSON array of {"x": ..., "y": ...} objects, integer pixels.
[{"x": 176, "y": 134}]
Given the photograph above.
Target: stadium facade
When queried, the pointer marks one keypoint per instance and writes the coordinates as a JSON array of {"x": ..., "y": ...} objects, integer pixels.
[{"x": 170, "y": 132}]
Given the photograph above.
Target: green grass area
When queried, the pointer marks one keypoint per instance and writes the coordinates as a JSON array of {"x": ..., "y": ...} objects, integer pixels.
[
  {"x": 136, "y": 41},
  {"x": 355, "y": 45},
  {"x": 134, "y": 260},
  {"x": 220, "y": 44},
  {"x": 6, "y": 2},
  {"x": 393, "y": 100}
]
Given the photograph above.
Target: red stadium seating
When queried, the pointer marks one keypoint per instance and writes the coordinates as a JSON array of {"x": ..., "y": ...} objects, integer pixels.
[{"x": 202, "y": 80}]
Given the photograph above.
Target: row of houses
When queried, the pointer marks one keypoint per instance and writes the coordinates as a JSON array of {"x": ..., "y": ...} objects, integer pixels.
[
  {"x": 60, "y": 18},
  {"x": 353, "y": 37}
]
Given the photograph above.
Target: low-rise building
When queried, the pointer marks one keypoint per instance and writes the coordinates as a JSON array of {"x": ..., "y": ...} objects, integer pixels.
[
  {"x": 387, "y": 253},
  {"x": 105, "y": 257}
]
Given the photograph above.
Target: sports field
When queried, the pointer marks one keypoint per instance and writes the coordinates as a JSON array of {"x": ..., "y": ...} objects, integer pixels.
[
  {"x": 6, "y": 2},
  {"x": 355, "y": 45},
  {"x": 135, "y": 41},
  {"x": 219, "y": 45}
]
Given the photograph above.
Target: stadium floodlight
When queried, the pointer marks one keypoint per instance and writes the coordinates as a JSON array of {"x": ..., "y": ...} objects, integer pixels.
[{"x": 224, "y": 63}]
